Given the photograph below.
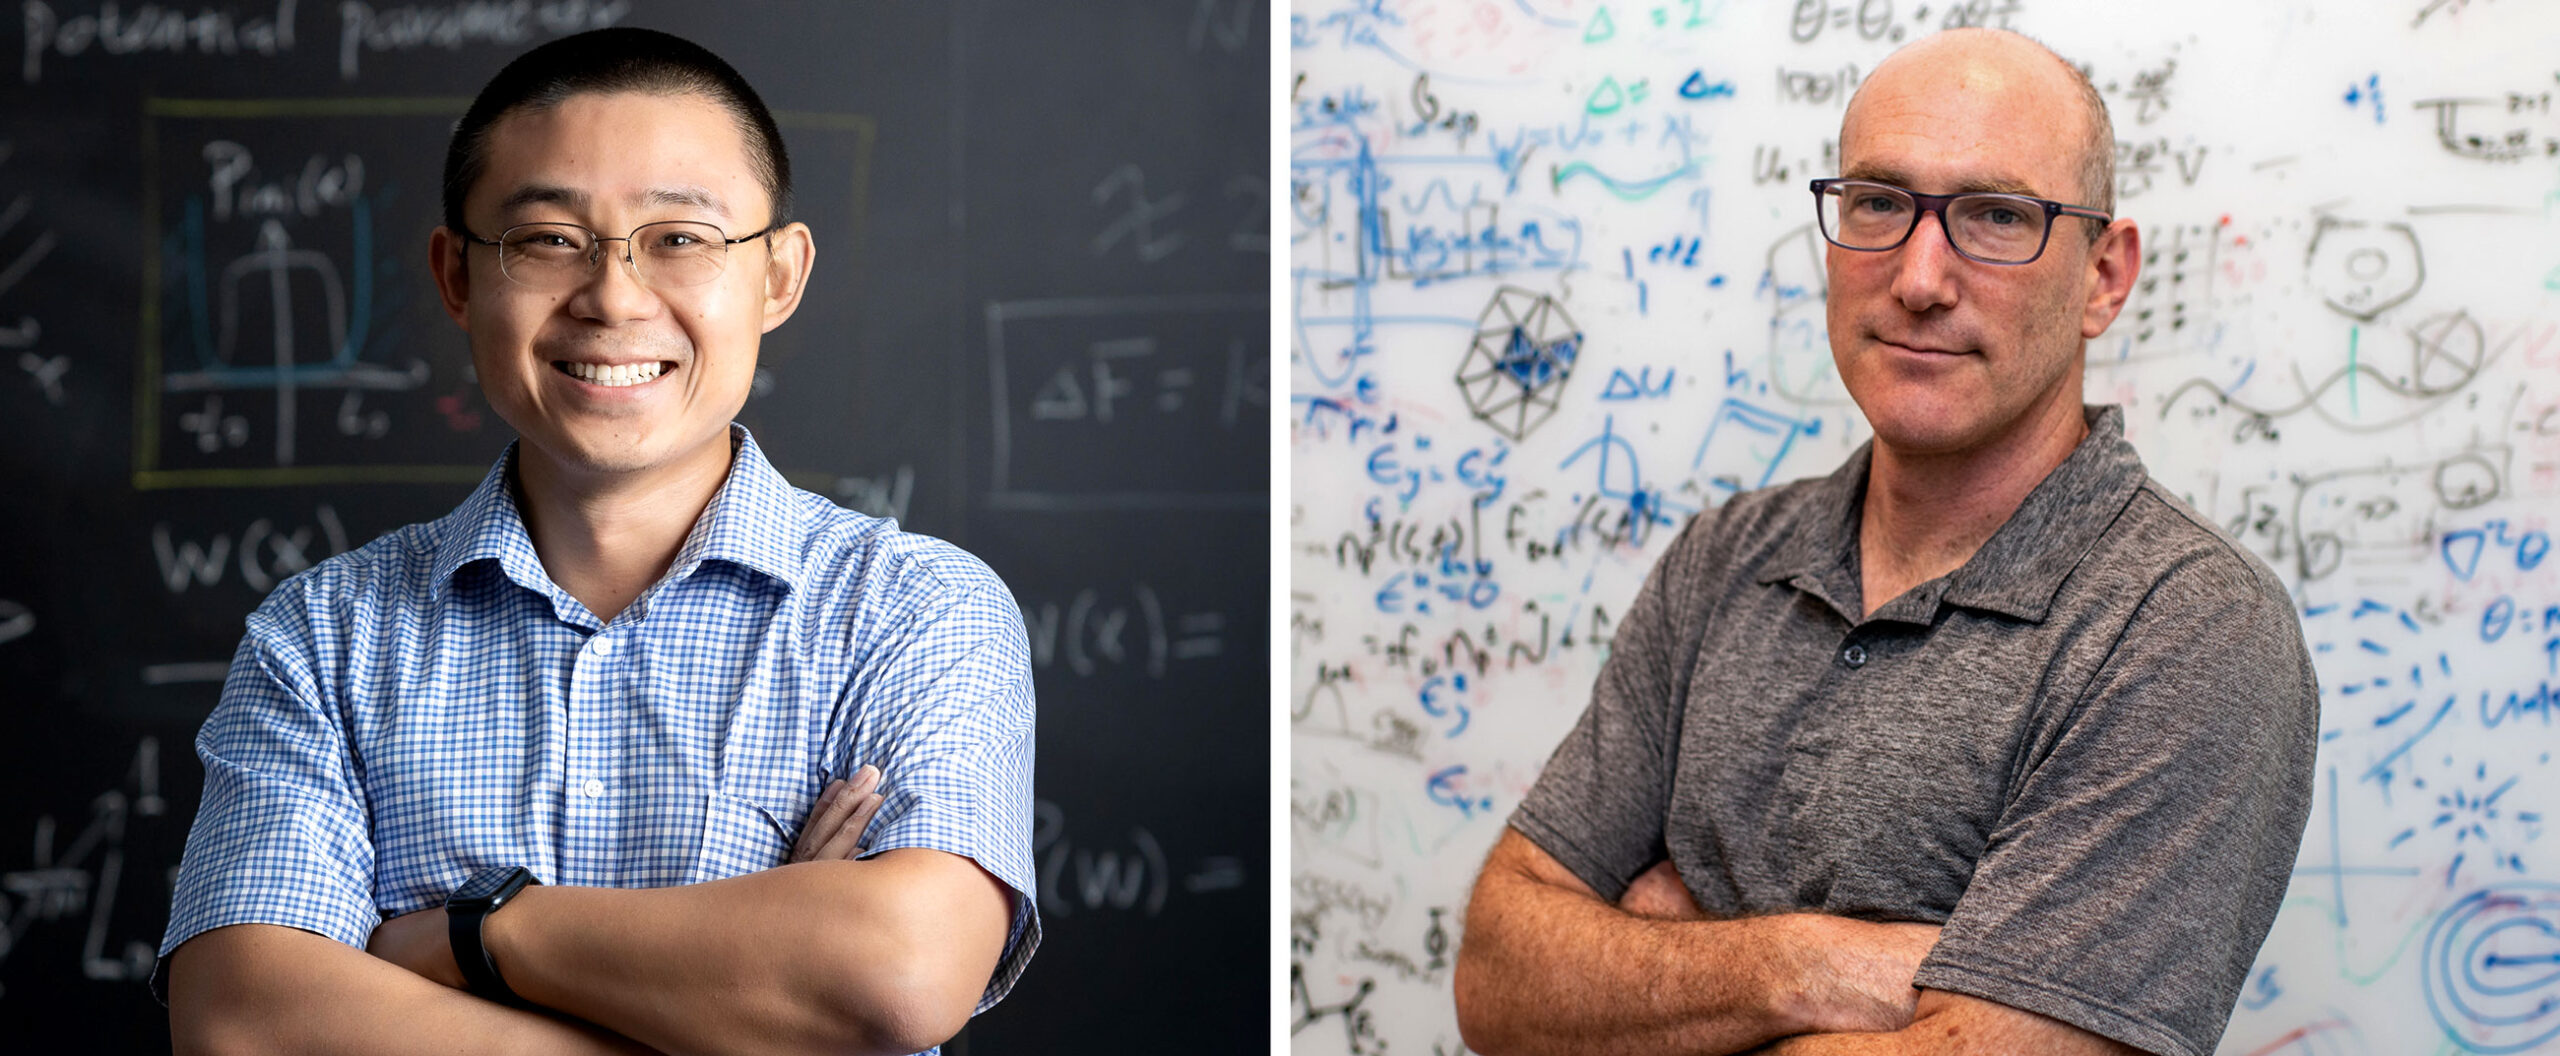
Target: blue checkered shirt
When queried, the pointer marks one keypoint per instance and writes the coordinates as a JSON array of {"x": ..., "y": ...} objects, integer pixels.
[{"x": 432, "y": 704}]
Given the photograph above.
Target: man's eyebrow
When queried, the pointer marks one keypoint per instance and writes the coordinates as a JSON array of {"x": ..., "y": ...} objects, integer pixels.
[
  {"x": 550, "y": 194},
  {"x": 541, "y": 194},
  {"x": 694, "y": 197},
  {"x": 1977, "y": 185}
]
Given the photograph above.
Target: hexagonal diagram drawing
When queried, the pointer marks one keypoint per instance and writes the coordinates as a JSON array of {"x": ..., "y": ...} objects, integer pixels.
[{"x": 1514, "y": 373}]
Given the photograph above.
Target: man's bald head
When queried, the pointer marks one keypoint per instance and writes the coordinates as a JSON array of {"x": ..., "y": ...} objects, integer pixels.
[{"x": 1993, "y": 60}]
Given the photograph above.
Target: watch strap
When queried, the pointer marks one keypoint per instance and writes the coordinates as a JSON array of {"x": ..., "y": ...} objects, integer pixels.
[{"x": 464, "y": 919}]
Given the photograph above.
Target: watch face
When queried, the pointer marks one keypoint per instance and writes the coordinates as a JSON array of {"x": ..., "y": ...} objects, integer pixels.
[{"x": 483, "y": 885}]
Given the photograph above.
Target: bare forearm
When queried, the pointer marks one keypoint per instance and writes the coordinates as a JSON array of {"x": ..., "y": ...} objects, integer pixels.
[
  {"x": 1549, "y": 970},
  {"x": 265, "y": 989},
  {"x": 1956, "y": 1025},
  {"x": 885, "y": 955},
  {"x": 1897, "y": 1043}
]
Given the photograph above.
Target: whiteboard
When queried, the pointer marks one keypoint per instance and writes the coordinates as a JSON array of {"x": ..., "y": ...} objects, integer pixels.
[{"x": 2344, "y": 346}]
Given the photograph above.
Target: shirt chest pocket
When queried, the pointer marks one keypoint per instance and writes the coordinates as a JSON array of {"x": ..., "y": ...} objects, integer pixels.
[
  {"x": 762, "y": 784},
  {"x": 1890, "y": 818},
  {"x": 739, "y": 836}
]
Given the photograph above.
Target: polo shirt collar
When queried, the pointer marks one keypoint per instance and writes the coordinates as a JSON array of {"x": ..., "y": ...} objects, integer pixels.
[
  {"x": 1821, "y": 553},
  {"x": 2023, "y": 565},
  {"x": 753, "y": 521},
  {"x": 2018, "y": 570}
]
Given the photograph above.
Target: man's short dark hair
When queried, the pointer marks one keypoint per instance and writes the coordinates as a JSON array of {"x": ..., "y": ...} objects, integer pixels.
[{"x": 620, "y": 59}]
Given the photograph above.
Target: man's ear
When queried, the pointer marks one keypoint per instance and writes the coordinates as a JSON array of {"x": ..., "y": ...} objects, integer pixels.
[
  {"x": 791, "y": 253},
  {"x": 447, "y": 261},
  {"x": 2114, "y": 262}
]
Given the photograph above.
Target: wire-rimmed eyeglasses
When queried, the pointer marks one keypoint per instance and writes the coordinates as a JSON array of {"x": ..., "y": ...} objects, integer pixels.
[
  {"x": 1988, "y": 227},
  {"x": 666, "y": 255}
]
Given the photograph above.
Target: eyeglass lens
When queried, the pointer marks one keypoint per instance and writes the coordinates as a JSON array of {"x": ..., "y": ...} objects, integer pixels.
[
  {"x": 1993, "y": 227},
  {"x": 667, "y": 255}
]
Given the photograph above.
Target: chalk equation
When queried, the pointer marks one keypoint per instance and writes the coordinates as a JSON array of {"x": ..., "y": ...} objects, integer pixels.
[
  {"x": 1127, "y": 871},
  {"x": 1074, "y": 381},
  {"x": 1131, "y": 629},
  {"x": 65, "y": 33},
  {"x": 77, "y": 872}
]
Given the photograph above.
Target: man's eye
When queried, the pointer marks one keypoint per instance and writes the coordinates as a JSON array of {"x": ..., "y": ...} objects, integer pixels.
[
  {"x": 545, "y": 240},
  {"x": 1879, "y": 203},
  {"x": 2003, "y": 216}
]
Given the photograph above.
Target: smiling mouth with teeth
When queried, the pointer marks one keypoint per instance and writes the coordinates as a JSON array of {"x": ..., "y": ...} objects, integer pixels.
[{"x": 613, "y": 376}]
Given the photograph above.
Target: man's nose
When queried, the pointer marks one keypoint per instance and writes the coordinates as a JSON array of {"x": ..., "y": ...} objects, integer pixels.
[
  {"x": 613, "y": 291},
  {"x": 1924, "y": 277}
]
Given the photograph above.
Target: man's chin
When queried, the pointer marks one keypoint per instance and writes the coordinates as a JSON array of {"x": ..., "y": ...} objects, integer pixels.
[{"x": 1918, "y": 416}]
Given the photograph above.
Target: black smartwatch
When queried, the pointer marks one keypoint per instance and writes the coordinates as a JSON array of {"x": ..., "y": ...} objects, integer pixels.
[{"x": 472, "y": 903}]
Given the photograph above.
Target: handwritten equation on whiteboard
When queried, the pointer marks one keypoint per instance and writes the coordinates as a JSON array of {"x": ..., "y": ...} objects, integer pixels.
[{"x": 1555, "y": 287}]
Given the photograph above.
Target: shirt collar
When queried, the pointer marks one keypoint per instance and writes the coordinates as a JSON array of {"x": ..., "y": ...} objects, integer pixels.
[
  {"x": 1821, "y": 552},
  {"x": 2018, "y": 570},
  {"x": 2023, "y": 565},
  {"x": 753, "y": 521},
  {"x": 488, "y": 527}
]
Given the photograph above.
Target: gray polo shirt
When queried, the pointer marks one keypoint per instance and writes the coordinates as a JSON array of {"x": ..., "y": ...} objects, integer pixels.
[{"x": 2087, "y": 753}]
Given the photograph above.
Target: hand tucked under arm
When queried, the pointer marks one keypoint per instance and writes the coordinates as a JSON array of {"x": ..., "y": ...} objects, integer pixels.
[
  {"x": 836, "y": 825},
  {"x": 1548, "y": 967},
  {"x": 1658, "y": 894}
]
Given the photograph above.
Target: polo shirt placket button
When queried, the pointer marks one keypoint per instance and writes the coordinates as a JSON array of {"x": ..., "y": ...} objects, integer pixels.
[{"x": 1854, "y": 656}]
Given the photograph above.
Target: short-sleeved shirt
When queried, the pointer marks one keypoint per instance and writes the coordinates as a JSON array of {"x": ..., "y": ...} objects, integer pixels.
[
  {"x": 2086, "y": 753},
  {"x": 433, "y": 704}
]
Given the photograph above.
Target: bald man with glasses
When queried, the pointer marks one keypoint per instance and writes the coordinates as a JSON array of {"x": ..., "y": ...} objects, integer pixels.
[
  {"x": 1985, "y": 743},
  {"x": 640, "y": 748}
]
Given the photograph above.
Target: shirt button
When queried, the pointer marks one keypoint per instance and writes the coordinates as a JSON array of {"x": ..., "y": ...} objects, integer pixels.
[
  {"x": 594, "y": 788},
  {"x": 1855, "y": 655},
  {"x": 602, "y": 645}
]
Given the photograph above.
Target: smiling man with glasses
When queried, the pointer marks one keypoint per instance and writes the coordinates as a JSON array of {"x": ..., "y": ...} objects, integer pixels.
[
  {"x": 640, "y": 748},
  {"x": 1985, "y": 743}
]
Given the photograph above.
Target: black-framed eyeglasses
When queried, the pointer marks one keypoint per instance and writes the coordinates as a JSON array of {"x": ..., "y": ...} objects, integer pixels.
[
  {"x": 1992, "y": 228},
  {"x": 666, "y": 255}
]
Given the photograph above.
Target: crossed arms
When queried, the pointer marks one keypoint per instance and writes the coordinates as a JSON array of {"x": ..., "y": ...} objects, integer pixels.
[
  {"x": 826, "y": 953},
  {"x": 1550, "y": 967}
]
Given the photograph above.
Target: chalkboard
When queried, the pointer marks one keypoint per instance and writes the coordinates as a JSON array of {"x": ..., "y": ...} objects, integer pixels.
[
  {"x": 1037, "y": 329},
  {"x": 2344, "y": 347}
]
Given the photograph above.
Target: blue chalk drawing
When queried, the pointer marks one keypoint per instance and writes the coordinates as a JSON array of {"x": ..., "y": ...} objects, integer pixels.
[
  {"x": 1442, "y": 787},
  {"x": 1514, "y": 372},
  {"x": 1618, "y": 474},
  {"x": 1763, "y": 435},
  {"x": 1637, "y": 386},
  {"x": 1627, "y": 190},
  {"x": 1699, "y": 87},
  {"x": 2492, "y": 968}
]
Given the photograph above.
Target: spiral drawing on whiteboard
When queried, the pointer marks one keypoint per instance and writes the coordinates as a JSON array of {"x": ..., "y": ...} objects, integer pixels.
[
  {"x": 2493, "y": 968},
  {"x": 1514, "y": 373}
]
